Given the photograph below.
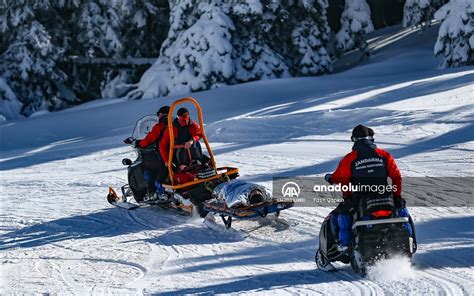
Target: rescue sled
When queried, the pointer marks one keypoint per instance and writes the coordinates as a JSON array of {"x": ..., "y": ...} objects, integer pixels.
[{"x": 242, "y": 200}]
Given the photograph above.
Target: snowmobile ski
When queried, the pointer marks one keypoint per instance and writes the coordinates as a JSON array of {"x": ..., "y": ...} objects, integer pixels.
[
  {"x": 125, "y": 205},
  {"x": 118, "y": 201},
  {"x": 323, "y": 263}
]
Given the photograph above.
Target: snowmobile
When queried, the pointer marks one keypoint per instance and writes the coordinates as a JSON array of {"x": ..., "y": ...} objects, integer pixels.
[
  {"x": 377, "y": 233},
  {"x": 192, "y": 187}
]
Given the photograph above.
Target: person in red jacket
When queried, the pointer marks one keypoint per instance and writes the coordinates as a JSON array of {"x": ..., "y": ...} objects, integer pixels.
[
  {"x": 186, "y": 133},
  {"x": 156, "y": 133},
  {"x": 364, "y": 165},
  {"x": 155, "y": 171},
  {"x": 367, "y": 164}
]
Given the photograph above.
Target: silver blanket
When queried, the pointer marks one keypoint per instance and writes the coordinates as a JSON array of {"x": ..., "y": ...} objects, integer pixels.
[{"x": 238, "y": 193}]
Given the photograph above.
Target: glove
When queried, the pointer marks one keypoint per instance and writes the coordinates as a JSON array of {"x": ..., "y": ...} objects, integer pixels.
[
  {"x": 327, "y": 177},
  {"x": 129, "y": 140},
  {"x": 399, "y": 202},
  {"x": 188, "y": 144},
  {"x": 349, "y": 206}
]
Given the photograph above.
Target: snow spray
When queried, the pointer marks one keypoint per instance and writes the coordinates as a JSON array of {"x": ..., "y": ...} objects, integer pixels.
[{"x": 393, "y": 269}]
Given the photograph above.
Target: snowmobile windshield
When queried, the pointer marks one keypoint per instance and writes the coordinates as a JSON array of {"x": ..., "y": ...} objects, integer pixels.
[{"x": 144, "y": 125}]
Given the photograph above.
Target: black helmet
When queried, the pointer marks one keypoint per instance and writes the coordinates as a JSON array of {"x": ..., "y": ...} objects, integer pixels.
[
  {"x": 163, "y": 110},
  {"x": 362, "y": 132},
  {"x": 182, "y": 111}
]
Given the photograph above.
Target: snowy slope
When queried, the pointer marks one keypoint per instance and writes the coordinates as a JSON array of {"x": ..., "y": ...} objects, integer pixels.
[{"x": 59, "y": 235}]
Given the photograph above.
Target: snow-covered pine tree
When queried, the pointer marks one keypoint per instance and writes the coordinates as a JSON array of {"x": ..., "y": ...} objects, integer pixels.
[
  {"x": 10, "y": 107},
  {"x": 417, "y": 13},
  {"x": 197, "y": 52},
  {"x": 183, "y": 14},
  {"x": 98, "y": 29},
  {"x": 455, "y": 43},
  {"x": 355, "y": 24},
  {"x": 154, "y": 82},
  {"x": 60, "y": 22},
  {"x": 99, "y": 26},
  {"x": 310, "y": 37},
  {"x": 12, "y": 16},
  {"x": 300, "y": 33},
  {"x": 144, "y": 28},
  {"x": 28, "y": 60},
  {"x": 201, "y": 57},
  {"x": 217, "y": 42},
  {"x": 252, "y": 56}
]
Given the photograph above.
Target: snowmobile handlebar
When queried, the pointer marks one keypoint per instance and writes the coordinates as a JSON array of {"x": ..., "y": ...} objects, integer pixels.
[
  {"x": 129, "y": 140},
  {"x": 171, "y": 132}
]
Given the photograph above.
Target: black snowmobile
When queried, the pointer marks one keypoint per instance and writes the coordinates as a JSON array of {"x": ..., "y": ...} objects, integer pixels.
[
  {"x": 200, "y": 174},
  {"x": 373, "y": 238}
]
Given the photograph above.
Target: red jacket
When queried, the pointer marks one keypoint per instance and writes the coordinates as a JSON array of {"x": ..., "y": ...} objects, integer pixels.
[
  {"x": 343, "y": 173},
  {"x": 152, "y": 136},
  {"x": 194, "y": 132}
]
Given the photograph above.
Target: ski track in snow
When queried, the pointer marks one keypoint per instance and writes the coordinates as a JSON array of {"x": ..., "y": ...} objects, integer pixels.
[
  {"x": 87, "y": 247},
  {"x": 58, "y": 234}
]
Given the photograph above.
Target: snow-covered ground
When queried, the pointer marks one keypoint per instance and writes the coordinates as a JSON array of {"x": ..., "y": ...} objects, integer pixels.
[{"x": 59, "y": 235}]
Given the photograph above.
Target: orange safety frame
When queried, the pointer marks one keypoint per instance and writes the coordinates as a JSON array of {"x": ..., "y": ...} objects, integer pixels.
[{"x": 223, "y": 170}]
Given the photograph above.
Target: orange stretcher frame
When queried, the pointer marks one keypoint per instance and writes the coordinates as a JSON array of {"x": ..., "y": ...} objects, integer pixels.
[{"x": 220, "y": 171}]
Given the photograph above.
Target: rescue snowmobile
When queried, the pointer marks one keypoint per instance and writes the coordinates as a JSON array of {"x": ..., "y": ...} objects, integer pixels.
[
  {"x": 195, "y": 183},
  {"x": 378, "y": 233}
]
